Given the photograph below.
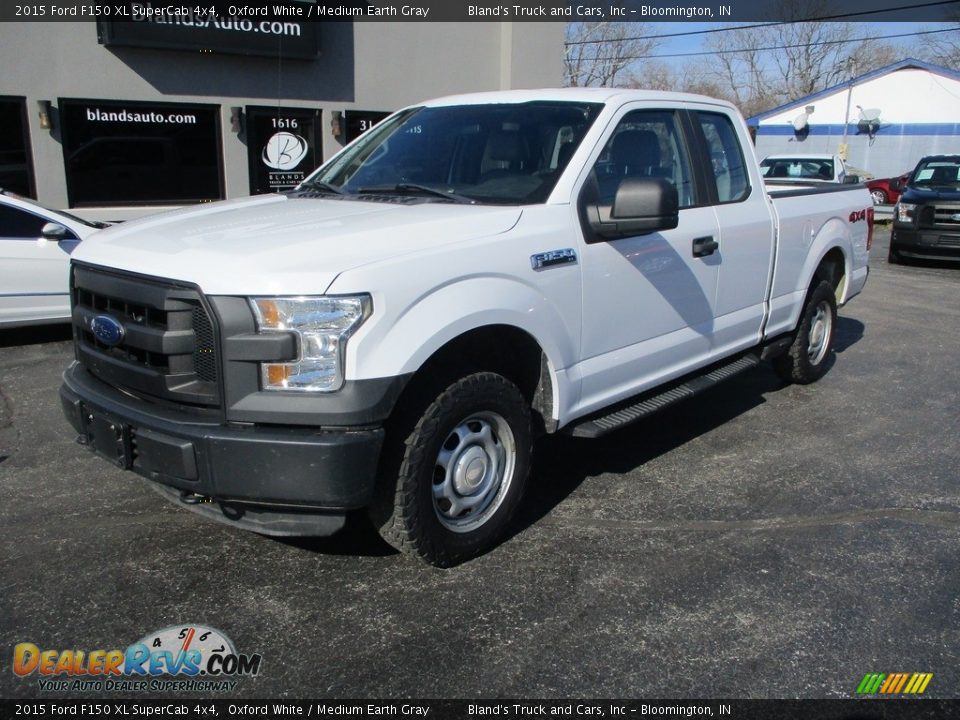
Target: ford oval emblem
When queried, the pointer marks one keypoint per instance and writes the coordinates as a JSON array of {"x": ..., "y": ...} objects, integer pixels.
[{"x": 107, "y": 330}]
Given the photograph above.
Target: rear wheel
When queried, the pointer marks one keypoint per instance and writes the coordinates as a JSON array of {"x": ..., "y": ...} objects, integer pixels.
[
  {"x": 879, "y": 197},
  {"x": 459, "y": 474},
  {"x": 894, "y": 257},
  {"x": 806, "y": 360}
]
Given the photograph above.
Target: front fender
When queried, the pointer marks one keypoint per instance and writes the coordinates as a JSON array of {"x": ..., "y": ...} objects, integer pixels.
[{"x": 403, "y": 339}]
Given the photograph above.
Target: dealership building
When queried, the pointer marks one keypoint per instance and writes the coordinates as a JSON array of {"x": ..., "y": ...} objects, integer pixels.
[{"x": 115, "y": 119}]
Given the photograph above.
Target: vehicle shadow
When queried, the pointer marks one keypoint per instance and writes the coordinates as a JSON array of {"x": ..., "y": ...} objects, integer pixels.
[
  {"x": 36, "y": 335},
  {"x": 562, "y": 463},
  {"x": 358, "y": 538},
  {"x": 848, "y": 333}
]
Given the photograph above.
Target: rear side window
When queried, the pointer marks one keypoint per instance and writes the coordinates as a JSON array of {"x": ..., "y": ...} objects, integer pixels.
[{"x": 729, "y": 171}]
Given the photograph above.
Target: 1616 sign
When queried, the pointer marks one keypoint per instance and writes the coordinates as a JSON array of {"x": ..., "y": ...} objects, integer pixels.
[{"x": 282, "y": 147}]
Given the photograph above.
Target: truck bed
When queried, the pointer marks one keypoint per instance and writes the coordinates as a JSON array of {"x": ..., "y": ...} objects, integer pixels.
[{"x": 804, "y": 225}]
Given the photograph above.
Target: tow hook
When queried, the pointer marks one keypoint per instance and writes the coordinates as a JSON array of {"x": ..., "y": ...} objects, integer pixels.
[{"x": 191, "y": 498}]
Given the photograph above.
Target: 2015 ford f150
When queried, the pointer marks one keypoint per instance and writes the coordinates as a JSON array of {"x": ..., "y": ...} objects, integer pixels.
[{"x": 473, "y": 271}]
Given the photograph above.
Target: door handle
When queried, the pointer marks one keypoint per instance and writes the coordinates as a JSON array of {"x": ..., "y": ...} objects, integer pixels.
[{"x": 704, "y": 246}]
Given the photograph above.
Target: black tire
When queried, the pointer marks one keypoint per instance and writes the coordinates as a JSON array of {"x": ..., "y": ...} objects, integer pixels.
[
  {"x": 476, "y": 437},
  {"x": 879, "y": 197},
  {"x": 893, "y": 257},
  {"x": 808, "y": 356}
]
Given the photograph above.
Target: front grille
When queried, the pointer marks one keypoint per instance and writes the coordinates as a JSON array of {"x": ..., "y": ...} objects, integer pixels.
[
  {"x": 168, "y": 346},
  {"x": 947, "y": 217},
  {"x": 204, "y": 352}
]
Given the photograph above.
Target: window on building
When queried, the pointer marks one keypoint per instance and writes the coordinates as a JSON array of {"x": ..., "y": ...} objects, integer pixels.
[
  {"x": 16, "y": 168},
  {"x": 118, "y": 153}
]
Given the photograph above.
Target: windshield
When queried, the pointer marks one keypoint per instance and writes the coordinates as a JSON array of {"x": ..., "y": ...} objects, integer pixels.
[
  {"x": 505, "y": 154},
  {"x": 941, "y": 173},
  {"x": 800, "y": 168}
]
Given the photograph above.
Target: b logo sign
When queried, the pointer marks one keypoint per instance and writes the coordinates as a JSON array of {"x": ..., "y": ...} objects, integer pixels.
[{"x": 284, "y": 151}]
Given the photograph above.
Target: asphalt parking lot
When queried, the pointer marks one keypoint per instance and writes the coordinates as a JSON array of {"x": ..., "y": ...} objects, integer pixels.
[{"x": 760, "y": 541}]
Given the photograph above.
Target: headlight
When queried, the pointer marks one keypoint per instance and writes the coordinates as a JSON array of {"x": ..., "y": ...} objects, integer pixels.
[
  {"x": 905, "y": 212},
  {"x": 322, "y": 326}
]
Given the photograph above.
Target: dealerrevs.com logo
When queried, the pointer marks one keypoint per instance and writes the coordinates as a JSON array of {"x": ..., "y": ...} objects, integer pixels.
[{"x": 177, "y": 658}]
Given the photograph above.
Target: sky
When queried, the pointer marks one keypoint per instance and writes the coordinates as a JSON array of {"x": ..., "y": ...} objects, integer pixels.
[{"x": 693, "y": 43}]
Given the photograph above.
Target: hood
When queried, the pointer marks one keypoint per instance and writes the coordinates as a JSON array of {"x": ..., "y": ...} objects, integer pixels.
[
  {"x": 920, "y": 195},
  {"x": 275, "y": 244}
]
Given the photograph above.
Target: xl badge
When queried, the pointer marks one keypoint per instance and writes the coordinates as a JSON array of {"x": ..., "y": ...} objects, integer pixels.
[{"x": 107, "y": 330}]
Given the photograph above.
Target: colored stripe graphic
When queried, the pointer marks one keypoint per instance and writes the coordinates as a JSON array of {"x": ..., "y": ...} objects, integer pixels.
[
  {"x": 870, "y": 683},
  {"x": 894, "y": 683}
]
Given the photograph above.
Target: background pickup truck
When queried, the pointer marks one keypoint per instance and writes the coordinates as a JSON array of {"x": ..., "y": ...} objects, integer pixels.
[
  {"x": 926, "y": 218},
  {"x": 470, "y": 273}
]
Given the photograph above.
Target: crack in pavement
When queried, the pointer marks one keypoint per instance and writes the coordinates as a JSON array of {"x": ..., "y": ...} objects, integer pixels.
[{"x": 949, "y": 520}]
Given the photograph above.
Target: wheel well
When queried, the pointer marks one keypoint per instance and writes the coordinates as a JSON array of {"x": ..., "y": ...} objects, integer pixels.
[
  {"x": 503, "y": 349},
  {"x": 833, "y": 269}
]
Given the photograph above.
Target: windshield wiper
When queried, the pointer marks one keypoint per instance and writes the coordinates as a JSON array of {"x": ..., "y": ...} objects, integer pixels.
[
  {"x": 416, "y": 187},
  {"x": 321, "y": 185}
]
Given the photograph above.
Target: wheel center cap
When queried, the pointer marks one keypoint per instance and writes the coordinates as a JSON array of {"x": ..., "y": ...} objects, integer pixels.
[
  {"x": 817, "y": 334},
  {"x": 471, "y": 469}
]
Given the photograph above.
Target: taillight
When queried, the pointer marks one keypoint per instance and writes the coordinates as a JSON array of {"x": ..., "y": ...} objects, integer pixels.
[{"x": 869, "y": 228}]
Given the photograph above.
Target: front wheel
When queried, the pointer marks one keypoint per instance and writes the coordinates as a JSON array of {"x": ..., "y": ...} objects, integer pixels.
[
  {"x": 462, "y": 471},
  {"x": 806, "y": 360},
  {"x": 879, "y": 197}
]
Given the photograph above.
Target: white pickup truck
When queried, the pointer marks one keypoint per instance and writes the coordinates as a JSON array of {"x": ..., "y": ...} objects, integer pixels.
[{"x": 471, "y": 273}]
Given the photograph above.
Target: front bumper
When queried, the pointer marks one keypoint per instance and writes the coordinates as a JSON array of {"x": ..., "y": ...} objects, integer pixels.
[
  {"x": 926, "y": 244},
  {"x": 271, "y": 479}
]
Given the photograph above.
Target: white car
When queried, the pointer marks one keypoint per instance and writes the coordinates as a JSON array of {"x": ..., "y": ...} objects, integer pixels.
[
  {"x": 804, "y": 167},
  {"x": 35, "y": 247}
]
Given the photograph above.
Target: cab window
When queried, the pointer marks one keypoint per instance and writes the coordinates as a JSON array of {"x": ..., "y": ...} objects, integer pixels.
[
  {"x": 645, "y": 144},
  {"x": 728, "y": 170}
]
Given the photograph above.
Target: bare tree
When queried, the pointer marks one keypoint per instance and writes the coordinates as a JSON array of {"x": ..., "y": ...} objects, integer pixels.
[
  {"x": 652, "y": 75},
  {"x": 602, "y": 54},
  {"x": 944, "y": 48},
  {"x": 766, "y": 66}
]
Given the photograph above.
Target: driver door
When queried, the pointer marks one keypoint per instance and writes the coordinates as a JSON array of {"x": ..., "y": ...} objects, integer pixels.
[{"x": 649, "y": 301}]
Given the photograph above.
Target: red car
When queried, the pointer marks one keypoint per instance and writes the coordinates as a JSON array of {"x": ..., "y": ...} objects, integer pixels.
[{"x": 886, "y": 191}]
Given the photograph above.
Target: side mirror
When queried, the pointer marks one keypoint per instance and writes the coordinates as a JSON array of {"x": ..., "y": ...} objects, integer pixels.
[
  {"x": 851, "y": 180},
  {"x": 54, "y": 231},
  {"x": 641, "y": 205}
]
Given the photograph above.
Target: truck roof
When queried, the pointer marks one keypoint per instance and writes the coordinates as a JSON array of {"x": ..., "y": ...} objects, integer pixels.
[
  {"x": 800, "y": 156},
  {"x": 576, "y": 94}
]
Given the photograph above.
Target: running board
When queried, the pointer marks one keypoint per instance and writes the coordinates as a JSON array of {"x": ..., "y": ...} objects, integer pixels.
[{"x": 597, "y": 426}]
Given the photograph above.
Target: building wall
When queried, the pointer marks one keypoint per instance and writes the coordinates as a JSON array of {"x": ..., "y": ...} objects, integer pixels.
[
  {"x": 368, "y": 66},
  {"x": 887, "y": 155},
  {"x": 919, "y": 112}
]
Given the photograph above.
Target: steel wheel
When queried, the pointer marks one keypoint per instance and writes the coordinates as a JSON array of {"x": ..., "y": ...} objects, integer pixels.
[
  {"x": 460, "y": 469},
  {"x": 807, "y": 358},
  {"x": 473, "y": 471}
]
